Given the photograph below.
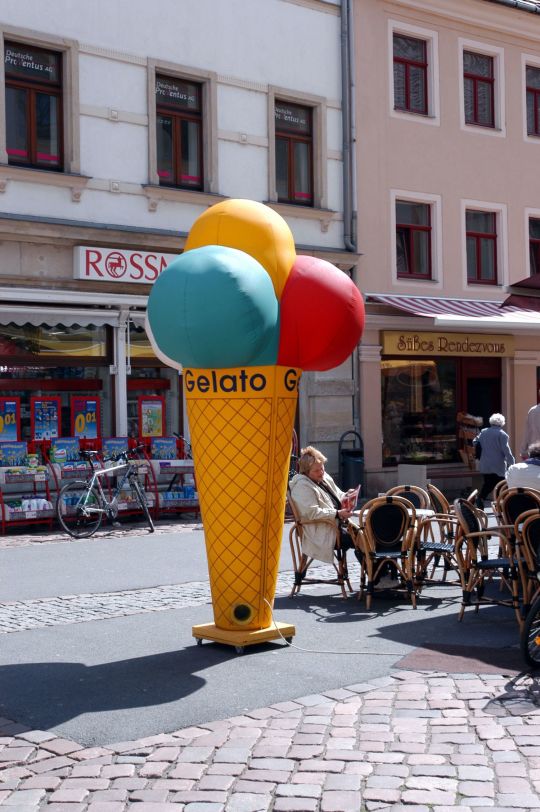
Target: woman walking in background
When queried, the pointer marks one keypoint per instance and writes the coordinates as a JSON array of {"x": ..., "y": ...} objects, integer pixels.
[{"x": 495, "y": 455}]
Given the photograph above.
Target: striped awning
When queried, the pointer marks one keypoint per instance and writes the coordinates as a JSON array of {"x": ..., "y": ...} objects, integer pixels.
[{"x": 432, "y": 306}]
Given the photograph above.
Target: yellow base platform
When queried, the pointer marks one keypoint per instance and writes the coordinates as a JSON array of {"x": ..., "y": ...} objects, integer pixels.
[{"x": 240, "y": 639}]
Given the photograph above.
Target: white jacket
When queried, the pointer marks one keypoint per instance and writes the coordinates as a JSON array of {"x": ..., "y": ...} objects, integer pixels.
[
  {"x": 313, "y": 503},
  {"x": 523, "y": 475}
]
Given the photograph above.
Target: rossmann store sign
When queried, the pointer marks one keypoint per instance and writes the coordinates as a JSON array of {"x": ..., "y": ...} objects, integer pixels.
[{"x": 118, "y": 265}]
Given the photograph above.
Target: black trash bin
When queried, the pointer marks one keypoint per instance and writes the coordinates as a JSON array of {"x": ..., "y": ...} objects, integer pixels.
[{"x": 351, "y": 462}]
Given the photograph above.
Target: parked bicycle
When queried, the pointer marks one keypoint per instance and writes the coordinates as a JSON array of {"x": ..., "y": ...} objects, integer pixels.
[{"x": 82, "y": 505}]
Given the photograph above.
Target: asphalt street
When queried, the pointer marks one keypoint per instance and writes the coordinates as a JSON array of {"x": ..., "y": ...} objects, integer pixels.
[{"x": 103, "y": 679}]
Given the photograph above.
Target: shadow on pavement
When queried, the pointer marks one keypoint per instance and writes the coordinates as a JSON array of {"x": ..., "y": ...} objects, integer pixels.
[
  {"x": 45, "y": 694},
  {"x": 335, "y": 609},
  {"x": 484, "y": 642}
]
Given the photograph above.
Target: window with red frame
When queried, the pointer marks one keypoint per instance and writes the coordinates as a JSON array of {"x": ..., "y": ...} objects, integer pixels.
[
  {"x": 179, "y": 133},
  {"x": 533, "y": 100},
  {"x": 294, "y": 153},
  {"x": 33, "y": 106},
  {"x": 534, "y": 245},
  {"x": 413, "y": 240},
  {"x": 479, "y": 88},
  {"x": 481, "y": 247},
  {"x": 410, "y": 75}
]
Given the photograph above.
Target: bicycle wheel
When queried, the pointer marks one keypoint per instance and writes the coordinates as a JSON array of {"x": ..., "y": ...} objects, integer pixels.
[
  {"x": 143, "y": 503},
  {"x": 530, "y": 636},
  {"x": 74, "y": 509}
]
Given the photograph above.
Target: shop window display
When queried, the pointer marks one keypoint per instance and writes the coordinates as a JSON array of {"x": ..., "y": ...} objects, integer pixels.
[
  {"x": 53, "y": 362},
  {"x": 419, "y": 411}
]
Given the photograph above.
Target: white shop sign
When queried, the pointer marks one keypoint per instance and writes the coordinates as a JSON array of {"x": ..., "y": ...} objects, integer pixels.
[{"x": 118, "y": 265}]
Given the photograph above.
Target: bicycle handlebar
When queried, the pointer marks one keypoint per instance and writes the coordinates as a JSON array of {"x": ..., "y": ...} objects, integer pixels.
[{"x": 122, "y": 455}]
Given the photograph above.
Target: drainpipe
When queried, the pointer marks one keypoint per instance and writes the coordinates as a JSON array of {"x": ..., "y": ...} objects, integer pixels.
[
  {"x": 349, "y": 174},
  {"x": 348, "y": 140},
  {"x": 523, "y": 5}
]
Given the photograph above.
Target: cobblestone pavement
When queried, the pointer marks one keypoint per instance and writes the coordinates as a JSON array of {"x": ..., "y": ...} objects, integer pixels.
[
  {"x": 16, "y": 616},
  {"x": 415, "y": 740}
]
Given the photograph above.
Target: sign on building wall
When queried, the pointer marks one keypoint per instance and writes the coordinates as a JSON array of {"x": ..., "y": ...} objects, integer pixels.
[
  {"x": 395, "y": 342},
  {"x": 119, "y": 265}
]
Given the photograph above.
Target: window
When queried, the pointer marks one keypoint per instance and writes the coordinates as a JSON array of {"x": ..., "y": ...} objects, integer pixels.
[
  {"x": 410, "y": 74},
  {"x": 179, "y": 133},
  {"x": 419, "y": 405},
  {"x": 33, "y": 106},
  {"x": 533, "y": 100},
  {"x": 534, "y": 245},
  {"x": 294, "y": 153},
  {"x": 479, "y": 82},
  {"x": 413, "y": 240},
  {"x": 481, "y": 237}
]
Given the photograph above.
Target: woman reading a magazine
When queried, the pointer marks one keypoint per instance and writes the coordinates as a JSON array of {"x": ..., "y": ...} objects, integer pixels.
[{"x": 317, "y": 496}]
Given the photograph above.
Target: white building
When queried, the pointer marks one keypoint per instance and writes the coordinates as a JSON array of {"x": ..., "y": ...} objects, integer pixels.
[{"x": 123, "y": 121}]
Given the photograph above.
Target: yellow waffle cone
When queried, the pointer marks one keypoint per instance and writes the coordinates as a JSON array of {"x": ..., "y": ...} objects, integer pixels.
[{"x": 241, "y": 423}]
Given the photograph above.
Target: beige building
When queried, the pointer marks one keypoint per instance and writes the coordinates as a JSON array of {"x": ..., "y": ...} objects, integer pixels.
[{"x": 448, "y": 187}]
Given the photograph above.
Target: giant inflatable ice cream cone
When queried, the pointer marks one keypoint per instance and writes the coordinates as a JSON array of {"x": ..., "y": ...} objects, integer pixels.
[
  {"x": 242, "y": 445},
  {"x": 236, "y": 311}
]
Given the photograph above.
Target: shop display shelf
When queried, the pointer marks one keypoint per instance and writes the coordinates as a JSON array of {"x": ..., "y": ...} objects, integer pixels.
[
  {"x": 168, "y": 500},
  {"x": 25, "y": 478},
  {"x": 15, "y": 515}
]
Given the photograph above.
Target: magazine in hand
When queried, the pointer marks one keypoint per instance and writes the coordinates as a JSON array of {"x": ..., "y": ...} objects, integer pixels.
[{"x": 352, "y": 498}]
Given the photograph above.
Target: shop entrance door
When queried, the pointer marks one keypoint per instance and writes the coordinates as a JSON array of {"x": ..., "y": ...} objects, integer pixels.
[{"x": 482, "y": 387}]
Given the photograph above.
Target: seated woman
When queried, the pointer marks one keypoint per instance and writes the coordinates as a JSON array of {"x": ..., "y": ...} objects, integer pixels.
[{"x": 317, "y": 496}]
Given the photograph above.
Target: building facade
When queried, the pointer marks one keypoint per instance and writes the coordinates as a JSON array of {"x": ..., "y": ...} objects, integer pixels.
[
  {"x": 120, "y": 126},
  {"x": 448, "y": 147}
]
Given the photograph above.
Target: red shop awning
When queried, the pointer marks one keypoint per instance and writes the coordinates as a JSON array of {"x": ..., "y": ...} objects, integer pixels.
[
  {"x": 524, "y": 295},
  {"x": 431, "y": 306}
]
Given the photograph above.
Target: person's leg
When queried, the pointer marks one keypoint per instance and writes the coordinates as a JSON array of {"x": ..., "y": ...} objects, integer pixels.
[
  {"x": 347, "y": 544},
  {"x": 483, "y": 492},
  {"x": 490, "y": 480}
]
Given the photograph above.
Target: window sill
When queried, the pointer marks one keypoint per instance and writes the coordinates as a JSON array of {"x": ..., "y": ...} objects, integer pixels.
[
  {"x": 483, "y": 283},
  {"x": 422, "y": 118},
  {"x": 324, "y": 216},
  {"x": 155, "y": 194},
  {"x": 65, "y": 180},
  {"x": 413, "y": 278},
  {"x": 483, "y": 129}
]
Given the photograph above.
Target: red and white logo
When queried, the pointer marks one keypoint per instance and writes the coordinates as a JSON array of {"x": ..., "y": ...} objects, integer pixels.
[{"x": 117, "y": 265}]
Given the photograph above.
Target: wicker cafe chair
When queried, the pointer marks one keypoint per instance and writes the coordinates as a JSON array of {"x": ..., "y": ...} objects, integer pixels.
[
  {"x": 527, "y": 534},
  {"x": 302, "y": 562},
  {"x": 499, "y": 489},
  {"x": 414, "y": 493},
  {"x": 386, "y": 536},
  {"x": 471, "y": 498},
  {"x": 477, "y": 564},
  {"x": 437, "y": 538},
  {"x": 512, "y": 502}
]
